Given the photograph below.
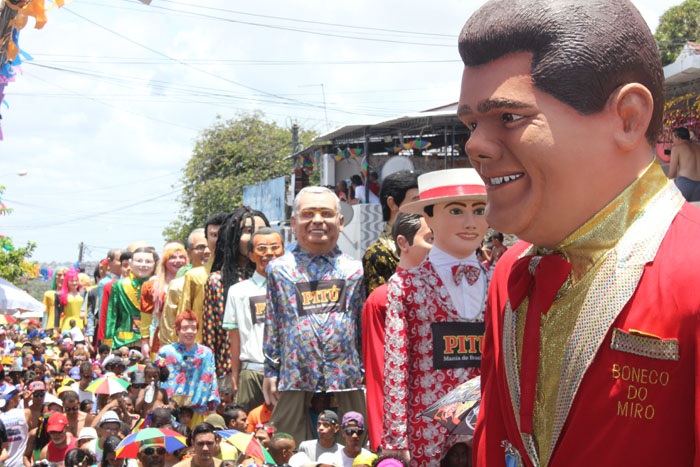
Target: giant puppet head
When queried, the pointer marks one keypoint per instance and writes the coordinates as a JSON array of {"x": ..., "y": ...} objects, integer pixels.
[
  {"x": 143, "y": 262},
  {"x": 453, "y": 203},
  {"x": 564, "y": 99}
]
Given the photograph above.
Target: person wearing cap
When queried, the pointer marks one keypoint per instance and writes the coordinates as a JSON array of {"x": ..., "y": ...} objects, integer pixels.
[
  {"x": 353, "y": 429},
  {"x": 35, "y": 408},
  {"x": 313, "y": 345},
  {"x": 435, "y": 311},
  {"x": 86, "y": 435},
  {"x": 7, "y": 345},
  {"x": 328, "y": 460},
  {"x": 108, "y": 425},
  {"x": 381, "y": 257},
  {"x": 15, "y": 425},
  {"x": 152, "y": 453},
  {"x": 61, "y": 440},
  {"x": 327, "y": 429}
]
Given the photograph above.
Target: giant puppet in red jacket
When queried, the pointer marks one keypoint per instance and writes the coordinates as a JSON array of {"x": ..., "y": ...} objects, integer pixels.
[{"x": 591, "y": 352}]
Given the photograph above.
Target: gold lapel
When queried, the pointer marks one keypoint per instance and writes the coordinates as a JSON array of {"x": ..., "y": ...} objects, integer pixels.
[
  {"x": 612, "y": 287},
  {"x": 512, "y": 368}
]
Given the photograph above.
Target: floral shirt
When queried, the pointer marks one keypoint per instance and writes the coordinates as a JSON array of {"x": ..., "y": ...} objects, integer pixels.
[
  {"x": 192, "y": 375},
  {"x": 417, "y": 299},
  {"x": 380, "y": 260},
  {"x": 312, "y": 323}
]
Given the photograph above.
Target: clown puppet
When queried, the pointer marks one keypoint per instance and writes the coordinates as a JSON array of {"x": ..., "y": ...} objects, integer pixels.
[{"x": 435, "y": 315}]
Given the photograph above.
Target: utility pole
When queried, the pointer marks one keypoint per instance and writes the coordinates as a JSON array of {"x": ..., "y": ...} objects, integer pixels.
[
  {"x": 81, "y": 248},
  {"x": 295, "y": 138}
]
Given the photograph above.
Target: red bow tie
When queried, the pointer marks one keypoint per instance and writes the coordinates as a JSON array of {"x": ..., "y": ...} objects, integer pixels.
[
  {"x": 471, "y": 273},
  {"x": 540, "y": 277}
]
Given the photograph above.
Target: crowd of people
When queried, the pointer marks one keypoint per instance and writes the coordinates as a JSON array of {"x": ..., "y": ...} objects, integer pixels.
[{"x": 233, "y": 330}]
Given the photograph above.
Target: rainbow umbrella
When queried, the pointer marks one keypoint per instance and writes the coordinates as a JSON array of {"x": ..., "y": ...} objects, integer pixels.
[
  {"x": 7, "y": 319},
  {"x": 129, "y": 447},
  {"x": 421, "y": 144},
  {"x": 247, "y": 444},
  {"x": 134, "y": 368},
  {"x": 108, "y": 385}
]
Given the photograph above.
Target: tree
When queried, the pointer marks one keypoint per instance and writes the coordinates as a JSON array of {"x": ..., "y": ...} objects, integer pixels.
[
  {"x": 13, "y": 263},
  {"x": 678, "y": 25},
  {"x": 228, "y": 156}
]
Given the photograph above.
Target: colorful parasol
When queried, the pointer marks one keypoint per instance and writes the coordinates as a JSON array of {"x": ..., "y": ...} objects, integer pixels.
[
  {"x": 459, "y": 408},
  {"x": 7, "y": 319},
  {"x": 420, "y": 144},
  {"x": 134, "y": 368},
  {"x": 129, "y": 447},
  {"x": 108, "y": 385},
  {"x": 247, "y": 444}
]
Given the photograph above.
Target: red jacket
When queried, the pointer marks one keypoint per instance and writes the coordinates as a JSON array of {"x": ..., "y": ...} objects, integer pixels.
[{"x": 635, "y": 399}]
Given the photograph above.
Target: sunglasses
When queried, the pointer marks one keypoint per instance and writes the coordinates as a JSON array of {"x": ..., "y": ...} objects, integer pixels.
[
  {"x": 350, "y": 432},
  {"x": 151, "y": 451},
  {"x": 138, "y": 386},
  {"x": 71, "y": 409},
  {"x": 39, "y": 394}
]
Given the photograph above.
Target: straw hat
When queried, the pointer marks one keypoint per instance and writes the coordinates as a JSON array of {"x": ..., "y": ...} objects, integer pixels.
[{"x": 443, "y": 186}]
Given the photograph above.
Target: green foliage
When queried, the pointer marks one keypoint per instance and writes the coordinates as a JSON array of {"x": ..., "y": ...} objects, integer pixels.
[
  {"x": 678, "y": 25},
  {"x": 228, "y": 156},
  {"x": 13, "y": 264}
]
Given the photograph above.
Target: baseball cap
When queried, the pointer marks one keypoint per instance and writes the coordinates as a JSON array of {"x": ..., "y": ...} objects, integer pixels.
[
  {"x": 328, "y": 458},
  {"x": 217, "y": 421},
  {"x": 75, "y": 373},
  {"x": 87, "y": 432},
  {"x": 8, "y": 390},
  {"x": 328, "y": 416},
  {"x": 37, "y": 386},
  {"x": 109, "y": 416},
  {"x": 353, "y": 419},
  {"x": 300, "y": 459},
  {"x": 51, "y": 399},
  {"x": 57, "y": 421}
]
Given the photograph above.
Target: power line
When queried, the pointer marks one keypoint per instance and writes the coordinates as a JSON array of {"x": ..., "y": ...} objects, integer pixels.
[
  {"x": 183, "y": 63},
  {"x": 307, "y": 31},
  {"x": 111, "y": 105},
  {"x": 198, "y": 91},
  {"x": 95, "y": 214},
  {"x": 296, "y": 20}
]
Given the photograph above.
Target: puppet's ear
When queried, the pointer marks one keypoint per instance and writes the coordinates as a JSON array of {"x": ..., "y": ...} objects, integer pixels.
[{"x": 631, "y": 107}]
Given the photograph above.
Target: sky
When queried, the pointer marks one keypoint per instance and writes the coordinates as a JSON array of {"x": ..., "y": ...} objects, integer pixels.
[{"x": 106, "y": 115}]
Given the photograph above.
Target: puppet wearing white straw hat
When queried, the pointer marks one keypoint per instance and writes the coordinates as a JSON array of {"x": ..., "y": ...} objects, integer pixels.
[{"x": 434, "y": 321}]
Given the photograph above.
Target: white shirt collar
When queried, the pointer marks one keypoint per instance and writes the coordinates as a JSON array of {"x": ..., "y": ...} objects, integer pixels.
[
  {"x": 259, "y": 279},
  {"x": 440, "y": 259}
]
